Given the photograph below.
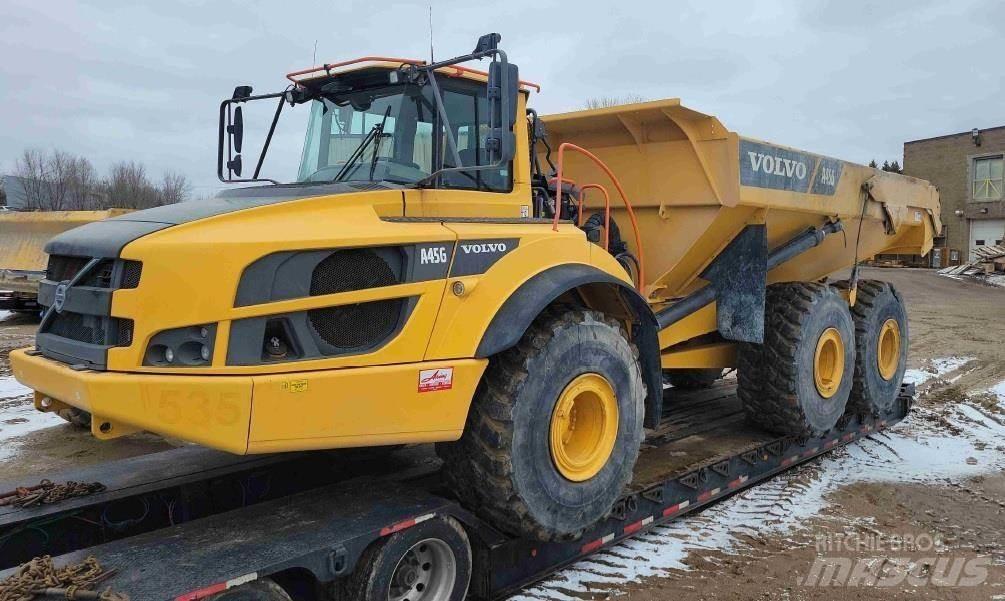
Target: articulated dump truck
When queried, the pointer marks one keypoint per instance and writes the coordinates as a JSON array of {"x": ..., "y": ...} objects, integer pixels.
[
  {"x": 451, "y": 268},
  {"x": 23, "y": 236}
]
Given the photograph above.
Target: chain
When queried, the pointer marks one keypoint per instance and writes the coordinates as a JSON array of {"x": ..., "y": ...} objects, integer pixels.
[
  {"x": 47, "y": 492},
  {"x": 41, "y": 578}
]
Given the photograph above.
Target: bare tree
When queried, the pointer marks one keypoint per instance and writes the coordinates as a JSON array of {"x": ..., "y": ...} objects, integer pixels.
[
  {"x": 174, "y": 188},
  {"x": 609, "y": 101},
  {"x": 30, "y": 169}
]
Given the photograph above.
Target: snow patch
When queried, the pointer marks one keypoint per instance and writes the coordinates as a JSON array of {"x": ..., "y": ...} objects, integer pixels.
[
  {"x": 935, "y": 368},
  {"x": 11, "y": 388},
  {"x": 5, "y": 314},
  {"x": 917, "y": 450}
]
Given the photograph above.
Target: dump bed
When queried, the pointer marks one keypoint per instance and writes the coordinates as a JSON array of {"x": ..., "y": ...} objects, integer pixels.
[
  {"x": 695, "y": 185},
  {"x": 23, "y": 236}
]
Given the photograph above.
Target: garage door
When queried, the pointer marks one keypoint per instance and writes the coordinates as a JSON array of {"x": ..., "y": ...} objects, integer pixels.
[{"x": 986, "y": 232}]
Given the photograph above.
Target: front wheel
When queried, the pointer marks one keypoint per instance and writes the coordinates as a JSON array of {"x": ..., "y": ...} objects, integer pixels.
[{"x": 554, "y": 430}]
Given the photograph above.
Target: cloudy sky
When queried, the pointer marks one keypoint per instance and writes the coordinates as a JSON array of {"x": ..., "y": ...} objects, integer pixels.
[{"x": 142, "y": 80}]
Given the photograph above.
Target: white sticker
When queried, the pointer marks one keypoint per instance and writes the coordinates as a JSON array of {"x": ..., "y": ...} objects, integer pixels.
[
  {"x": 917, "y": 216},
  {"x": 431, "y": 380},
  {"x": 524, "y": 211}
]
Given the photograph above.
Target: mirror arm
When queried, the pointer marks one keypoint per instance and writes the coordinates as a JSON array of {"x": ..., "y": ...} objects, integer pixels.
[
  {"x": 268, "y": 138},
  {"x": 451, "y": 142}
]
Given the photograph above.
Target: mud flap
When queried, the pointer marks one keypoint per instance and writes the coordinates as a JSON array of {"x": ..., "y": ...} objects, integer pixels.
[{"x": 739, "y": 275}]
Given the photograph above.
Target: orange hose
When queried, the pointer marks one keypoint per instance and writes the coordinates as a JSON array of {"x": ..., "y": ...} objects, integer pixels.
[{"x": 621, "y": 191}]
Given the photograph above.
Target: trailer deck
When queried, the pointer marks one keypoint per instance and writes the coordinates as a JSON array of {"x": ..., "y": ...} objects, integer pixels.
[{"x": 192, "y": 536}]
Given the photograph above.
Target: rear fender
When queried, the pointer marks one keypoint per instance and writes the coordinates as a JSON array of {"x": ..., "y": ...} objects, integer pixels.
[{"x": 599, "y": 290}]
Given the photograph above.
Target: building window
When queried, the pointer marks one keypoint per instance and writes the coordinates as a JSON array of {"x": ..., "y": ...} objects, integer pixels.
[{"x": 987, "y": 178}]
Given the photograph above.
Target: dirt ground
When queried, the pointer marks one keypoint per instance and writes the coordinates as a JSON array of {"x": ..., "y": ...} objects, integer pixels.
[
  {"x": 965, "y": 518},
  {"x": 946, "y": 318}
]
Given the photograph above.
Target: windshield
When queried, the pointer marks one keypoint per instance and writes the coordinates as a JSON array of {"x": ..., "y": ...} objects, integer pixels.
[{"x": 388, "y": 134}]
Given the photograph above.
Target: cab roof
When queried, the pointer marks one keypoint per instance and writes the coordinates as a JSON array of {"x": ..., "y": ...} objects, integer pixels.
[{"x": 329, "y": 70}]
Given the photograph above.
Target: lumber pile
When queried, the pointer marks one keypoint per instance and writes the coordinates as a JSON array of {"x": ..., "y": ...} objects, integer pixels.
[{"x": 988, "y": 266}]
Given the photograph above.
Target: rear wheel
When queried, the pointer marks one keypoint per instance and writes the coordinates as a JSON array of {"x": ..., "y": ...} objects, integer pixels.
[
  {"x": 430, "y": 561},
  {"x": 881, "y": 342},
  {"x": 692, "y": 379},
  {"x": 554, "y": 431},
  {"x": 799, "y": 380}
]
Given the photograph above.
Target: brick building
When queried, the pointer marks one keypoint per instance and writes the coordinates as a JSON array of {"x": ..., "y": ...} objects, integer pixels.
[{"x": 967, "y": 168}]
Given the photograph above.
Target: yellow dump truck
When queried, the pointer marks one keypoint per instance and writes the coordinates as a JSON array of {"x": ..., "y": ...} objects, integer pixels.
[
  {"x": 451, "y": 268},
  {"x": 23, "y": 236}
]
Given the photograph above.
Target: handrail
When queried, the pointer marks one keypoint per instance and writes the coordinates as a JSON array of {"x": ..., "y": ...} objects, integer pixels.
[
  {"x": 607, "y": 210},
  {"x": 617, "y": 184}
]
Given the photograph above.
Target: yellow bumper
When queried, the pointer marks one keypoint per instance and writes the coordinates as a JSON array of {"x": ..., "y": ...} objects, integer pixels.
[{"x": 369, "y": 406}]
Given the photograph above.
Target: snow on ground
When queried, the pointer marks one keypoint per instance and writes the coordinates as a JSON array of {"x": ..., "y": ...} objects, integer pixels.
[
  {"x": 18, "y": 415},
  {"x": 935, "y": 368},
  {"x": 4, "y": 315},
  {"x": 914, "y": 451}
]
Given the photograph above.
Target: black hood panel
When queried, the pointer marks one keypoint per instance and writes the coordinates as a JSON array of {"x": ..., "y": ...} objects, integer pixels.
[{"x": 107, "y": 238}]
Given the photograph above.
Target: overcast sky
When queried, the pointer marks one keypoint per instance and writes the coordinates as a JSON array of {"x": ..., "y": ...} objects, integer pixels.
[{"x": 854, "y": 80}]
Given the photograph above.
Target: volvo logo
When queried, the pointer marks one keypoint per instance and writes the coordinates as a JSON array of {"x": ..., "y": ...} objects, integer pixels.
[{"x": 60, "y": 299}]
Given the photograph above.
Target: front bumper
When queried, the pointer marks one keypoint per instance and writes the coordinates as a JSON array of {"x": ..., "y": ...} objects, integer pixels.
[{"x": 356, "y": 407}]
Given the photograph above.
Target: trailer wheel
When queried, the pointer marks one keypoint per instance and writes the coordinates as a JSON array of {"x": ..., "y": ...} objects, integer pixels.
[
  {"x": 262, "y": 589},
  {"x": 430, "y": 561},
  {"x": 554, "y": 430},
  {"x": 77, "y": 417},
  {"x": 881, "y": 342},
  {"x": 799, "y": 380},
  {"x": 692, "y": 379}
]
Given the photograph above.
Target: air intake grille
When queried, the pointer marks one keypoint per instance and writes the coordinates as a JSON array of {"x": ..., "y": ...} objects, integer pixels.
[
  {"x": 349, "y": 270},
  {"x": 63, "y": 268},
  {"x": 358, "y": 326},
  {"x": 362, "y": 325},
  {"x": 131, "y": 271}
]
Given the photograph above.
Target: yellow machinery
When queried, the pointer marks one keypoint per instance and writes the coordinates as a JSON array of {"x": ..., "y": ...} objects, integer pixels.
[
  {"x": 23, "y": 236},
  {"x": 450, "y": 268}
]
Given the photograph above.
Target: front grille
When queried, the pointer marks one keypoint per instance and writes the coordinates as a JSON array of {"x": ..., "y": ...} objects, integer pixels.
[
  {"x": 63, "y": 268},
  {"x": 131, "y": 271},
  {"x": 92, "y": 329},
  {"x": 358, "y": 326},
  {"x": 350, "y": 270}
]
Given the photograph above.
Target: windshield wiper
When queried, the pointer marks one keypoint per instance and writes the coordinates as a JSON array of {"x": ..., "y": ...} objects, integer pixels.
[
  {"x": 375, "y": 132},
  {"x": 376, "y": 145}
]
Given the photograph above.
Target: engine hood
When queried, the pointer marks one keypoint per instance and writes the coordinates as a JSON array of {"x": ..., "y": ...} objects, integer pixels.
[{"x": 107, "y": 238}]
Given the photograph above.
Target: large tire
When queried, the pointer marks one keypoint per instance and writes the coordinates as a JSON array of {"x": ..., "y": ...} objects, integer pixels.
[
  {"x": 881, "y": 341},
  {"x": 692, "y": 379},
  {"x": 798, "y": 381},
  {"x": 519, "y": 463},
  {"x": 430, "y": 561}
]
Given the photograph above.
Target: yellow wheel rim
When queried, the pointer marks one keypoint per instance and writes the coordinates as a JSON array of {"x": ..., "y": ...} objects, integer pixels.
[
  {"x": 888, "y": 353},
  {"x": 584, "y": 427},
  {"x": 828, "y": 363}
]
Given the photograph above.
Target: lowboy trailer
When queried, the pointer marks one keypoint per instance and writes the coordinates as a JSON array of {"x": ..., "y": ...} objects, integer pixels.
[{"x": 193, "y": 523}]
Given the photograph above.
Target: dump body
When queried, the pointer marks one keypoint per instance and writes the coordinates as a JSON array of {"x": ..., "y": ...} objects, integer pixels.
[
  {"x": 695, "y": 185},
  {"x": 23, "y": 236}
]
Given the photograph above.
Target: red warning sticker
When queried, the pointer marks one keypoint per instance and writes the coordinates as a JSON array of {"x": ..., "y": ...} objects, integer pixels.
[{"x": 441, "y": 378}]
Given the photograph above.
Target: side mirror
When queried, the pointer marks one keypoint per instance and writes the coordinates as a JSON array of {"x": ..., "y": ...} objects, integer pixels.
[
  {"x": 503, "y": 88},
  {"x": 234, "y": 165},
  {"x": 236, "y": 130},
  {"x": 241, "y": 92}
]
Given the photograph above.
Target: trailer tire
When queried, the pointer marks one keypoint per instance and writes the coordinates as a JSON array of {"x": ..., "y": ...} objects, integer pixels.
[
  {"x": 430, "y": 561},
  {"x": 692, "y": 379},
  {"x": 262, "y": 589},
  {"x": 77, "y": 417},
  {"x": 881, "y": 342},
  {"x": 798, "y": 381},
  {"x": 522, "y": 463}
]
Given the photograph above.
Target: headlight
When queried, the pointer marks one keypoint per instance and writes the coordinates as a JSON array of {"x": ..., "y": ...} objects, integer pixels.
[{"x": 182, "y": 347}]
